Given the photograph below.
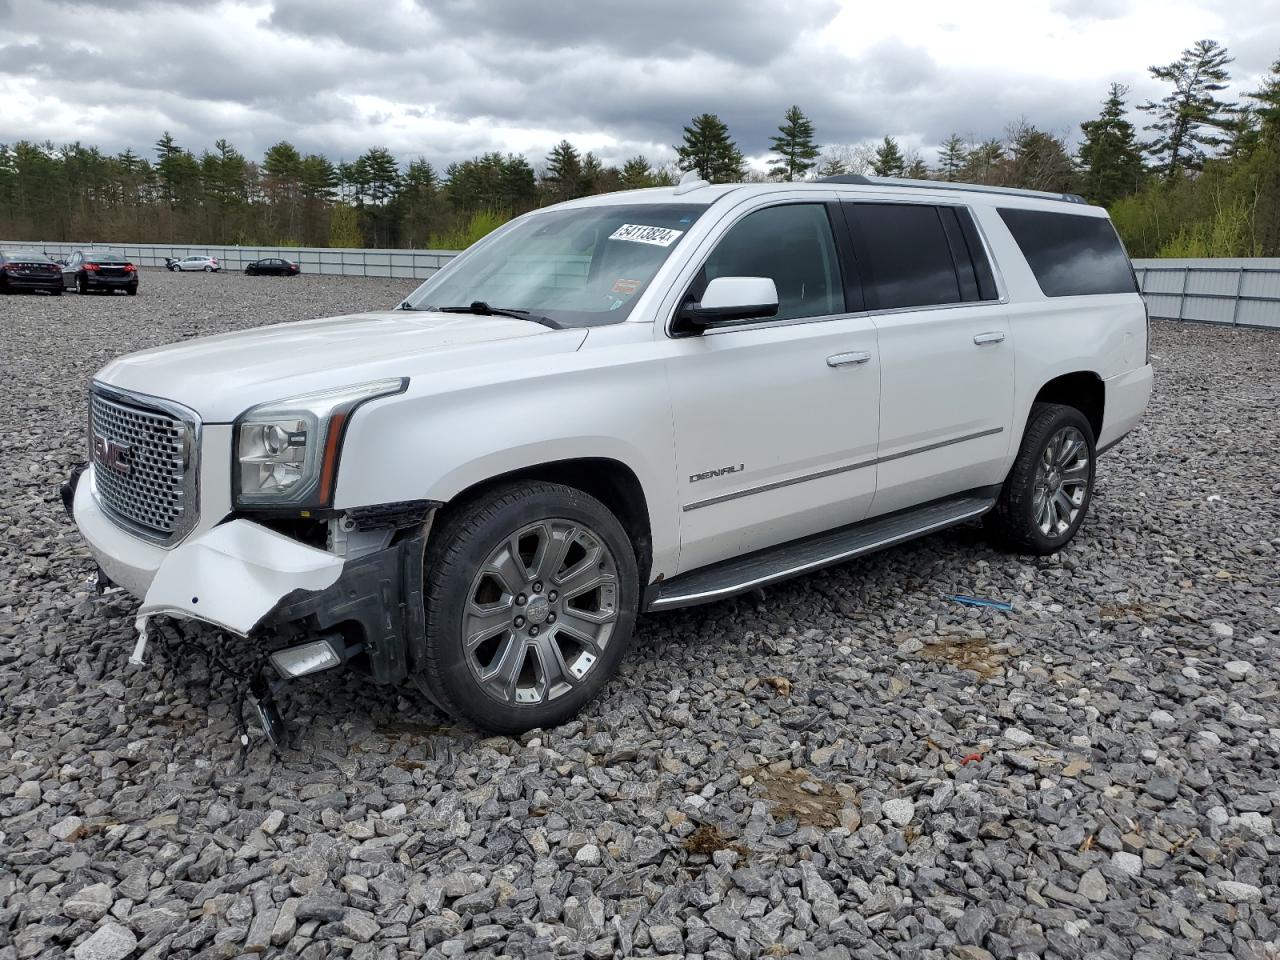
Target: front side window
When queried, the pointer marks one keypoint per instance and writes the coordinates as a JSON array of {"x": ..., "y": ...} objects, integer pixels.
[
  {"x": 1071, "y": 255},
  {"x": 904, "y": 255},
  {"x": 579, "y": 267},
  {"x": 793, "y": 246}
]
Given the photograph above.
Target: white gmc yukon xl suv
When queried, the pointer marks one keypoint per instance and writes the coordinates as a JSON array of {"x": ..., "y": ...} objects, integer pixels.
[{"x": 619, "y": 404}]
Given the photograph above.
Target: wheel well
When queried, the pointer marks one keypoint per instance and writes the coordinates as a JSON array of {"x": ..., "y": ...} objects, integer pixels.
[
  {"x": 1082, "y": 390},
  {"x": 611, "y": 482}
]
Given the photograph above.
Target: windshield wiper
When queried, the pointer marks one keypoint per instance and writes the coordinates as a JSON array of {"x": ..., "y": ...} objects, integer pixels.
[{"x": 482, "y": 309}]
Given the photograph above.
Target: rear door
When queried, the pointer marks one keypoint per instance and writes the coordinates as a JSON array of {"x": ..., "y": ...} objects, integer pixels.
[
  {"x": 776, "y": 420},
  {"x": 946, "y": 350}
]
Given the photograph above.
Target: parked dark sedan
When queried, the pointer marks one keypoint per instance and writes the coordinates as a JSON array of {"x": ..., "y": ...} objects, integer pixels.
[
  {"x": 272, "y": 266},
  {"x": 93, "y": 270},
  {"x": 28, "y": 270}
]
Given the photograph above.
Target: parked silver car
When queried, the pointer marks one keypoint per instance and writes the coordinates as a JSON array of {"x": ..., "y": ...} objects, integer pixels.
[{"x": 207, "y": 264}]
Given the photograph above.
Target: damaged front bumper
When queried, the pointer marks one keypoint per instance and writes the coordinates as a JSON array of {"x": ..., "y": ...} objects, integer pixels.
[{"x": 247, "y": 579}]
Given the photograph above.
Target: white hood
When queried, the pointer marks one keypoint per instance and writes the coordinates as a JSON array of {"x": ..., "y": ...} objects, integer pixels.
[{"x": 222, "y": 376}]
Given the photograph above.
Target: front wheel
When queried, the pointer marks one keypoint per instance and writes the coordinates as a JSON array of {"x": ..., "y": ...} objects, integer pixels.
[
  {"x": 531, "y": 599},
  {"x": 1047, "y": 493},
  {"x": 208, "y": 269}
]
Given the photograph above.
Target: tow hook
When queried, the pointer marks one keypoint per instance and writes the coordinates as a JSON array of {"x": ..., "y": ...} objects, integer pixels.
[{"x": 262, "y": 696}]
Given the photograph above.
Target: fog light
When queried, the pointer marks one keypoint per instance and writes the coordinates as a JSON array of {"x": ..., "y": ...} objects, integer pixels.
[{"x": 307, "y": 658}]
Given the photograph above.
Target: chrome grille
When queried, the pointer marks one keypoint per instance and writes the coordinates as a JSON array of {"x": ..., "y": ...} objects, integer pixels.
[{"x": 144, "y": 454}]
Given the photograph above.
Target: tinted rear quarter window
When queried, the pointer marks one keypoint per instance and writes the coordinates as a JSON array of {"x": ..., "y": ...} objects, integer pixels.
[
  {"x": 1071, "y": 255},
  {"x": 904, "y": 255}
]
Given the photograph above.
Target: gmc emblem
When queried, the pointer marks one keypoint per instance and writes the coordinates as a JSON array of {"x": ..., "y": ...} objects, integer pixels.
[{"x": 114, "y": 456}]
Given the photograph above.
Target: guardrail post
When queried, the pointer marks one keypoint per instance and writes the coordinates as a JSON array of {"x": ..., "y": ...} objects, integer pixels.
[{"x": 1182, "y": 297}]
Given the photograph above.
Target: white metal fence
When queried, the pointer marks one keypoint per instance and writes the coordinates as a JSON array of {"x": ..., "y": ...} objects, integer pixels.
[
  {"x": 1238, "y": 292},
  {"x": 353, "y": 262}
]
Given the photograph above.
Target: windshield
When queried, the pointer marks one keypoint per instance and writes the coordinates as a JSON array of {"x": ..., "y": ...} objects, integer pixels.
[{"x": 578, "y": 267}]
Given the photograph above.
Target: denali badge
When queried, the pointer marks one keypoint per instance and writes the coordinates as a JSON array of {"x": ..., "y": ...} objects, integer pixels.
[
  {"x": 114, "y": 456},
  {"x": 717, "y": 473}
]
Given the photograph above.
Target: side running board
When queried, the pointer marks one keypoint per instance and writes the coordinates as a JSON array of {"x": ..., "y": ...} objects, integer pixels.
[{"x": 768, "y": 566}]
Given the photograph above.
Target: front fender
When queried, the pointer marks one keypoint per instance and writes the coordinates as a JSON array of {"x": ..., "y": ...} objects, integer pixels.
[{"x": 443, "y": 437}]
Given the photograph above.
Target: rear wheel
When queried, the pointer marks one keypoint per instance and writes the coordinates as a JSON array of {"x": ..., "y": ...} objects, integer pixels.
[
  {"x": 82, "y": 285},
  {"x": 132, "y": 290},
  {"x": 208, "y": 269},
  {"x": 531, "y": 596},
  {"x": 57, "y": 291},
  {"x": 1047, "y": 493}
]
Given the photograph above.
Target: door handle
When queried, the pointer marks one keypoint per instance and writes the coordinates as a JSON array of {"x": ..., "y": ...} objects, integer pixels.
[
  {"x": 984, "y": 338},
  {"x": 844, "y": 359}
]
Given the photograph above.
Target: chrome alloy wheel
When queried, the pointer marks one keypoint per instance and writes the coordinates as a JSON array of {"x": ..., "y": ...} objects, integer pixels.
[
  {"x": 540, "y": 612},
  {"x": 1062, "y": 481}
]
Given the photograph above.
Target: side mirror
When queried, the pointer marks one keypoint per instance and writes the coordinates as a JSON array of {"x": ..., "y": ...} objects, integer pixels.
[{"x": 730, "y": 300}]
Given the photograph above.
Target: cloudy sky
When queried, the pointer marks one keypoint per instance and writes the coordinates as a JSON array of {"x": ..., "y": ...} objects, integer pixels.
[{"x": 447, "y": 79}]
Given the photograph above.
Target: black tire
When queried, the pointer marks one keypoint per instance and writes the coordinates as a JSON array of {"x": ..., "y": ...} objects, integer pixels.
[
  {"x": 57, "y": 292},
  {"x": 1014, "y": 520},
  {"x": 82, "y": 285},
  {"x": 208, "y": 269},
  {"x": 131, "y": 291},
  {"x": 458, "y": 548}
]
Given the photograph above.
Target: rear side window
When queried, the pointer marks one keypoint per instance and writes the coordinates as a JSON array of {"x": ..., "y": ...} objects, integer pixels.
[
  {"x": 1071, "y": 255},
  {"x": 905, "y": 256}
]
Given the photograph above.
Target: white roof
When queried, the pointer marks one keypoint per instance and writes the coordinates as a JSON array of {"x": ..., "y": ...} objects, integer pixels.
[{"x": 880, "y": 188}]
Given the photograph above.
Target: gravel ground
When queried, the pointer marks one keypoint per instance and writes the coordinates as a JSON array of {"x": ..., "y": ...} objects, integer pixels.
[{"x": 848, "y": 765}]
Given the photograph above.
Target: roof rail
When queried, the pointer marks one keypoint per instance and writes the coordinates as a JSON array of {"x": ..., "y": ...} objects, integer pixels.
[{"x": 863, "y": 180}]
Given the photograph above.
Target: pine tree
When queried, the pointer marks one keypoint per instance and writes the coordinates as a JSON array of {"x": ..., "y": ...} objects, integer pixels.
[
  {"x": 593, "y": 174},
  {"x": 951, "y": 158},
  {"x": 983, "y": 163},
  {"x": 1268, "y": 106},
  {"x": 378, "y": 175},
  {"x": 1265, "y": 161},
  {"x": 282, "y": 184},
  {"x": 319, "y": 178},
  {"x": 917, "y": 169},
  {"x": 1191, "y": 118},
  {"x": 796, "y": 152},
  {"x": 517, "y": 187},
  {"x": 1109, "y": 155},
  {"x": 637, "y": 174},
  {"x": 708, "y": 150},
  {"x": 889, "y": 161},
  {"x": 419, "y": 203},
  {"x": 563, "y": 176},
  {"x": 177, "y": 171}
]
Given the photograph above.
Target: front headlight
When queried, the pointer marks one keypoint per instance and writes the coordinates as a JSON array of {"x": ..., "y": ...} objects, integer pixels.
[{"x": 287, "y": 451}]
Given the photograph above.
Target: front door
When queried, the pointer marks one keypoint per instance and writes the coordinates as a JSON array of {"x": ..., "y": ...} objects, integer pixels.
[{"x": 775, "y": 421}]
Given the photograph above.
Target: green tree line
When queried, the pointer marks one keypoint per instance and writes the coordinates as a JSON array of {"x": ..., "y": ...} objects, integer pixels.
[{"x": 1189, "y": 174}]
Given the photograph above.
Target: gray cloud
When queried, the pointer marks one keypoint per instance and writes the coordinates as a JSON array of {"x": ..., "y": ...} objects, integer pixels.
[{"x": 446, "y": 79}]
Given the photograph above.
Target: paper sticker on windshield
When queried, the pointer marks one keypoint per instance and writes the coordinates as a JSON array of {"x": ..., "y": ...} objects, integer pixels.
[
  {"x": 625, "y": 287},
  {"x": 639, "y": 233}
]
